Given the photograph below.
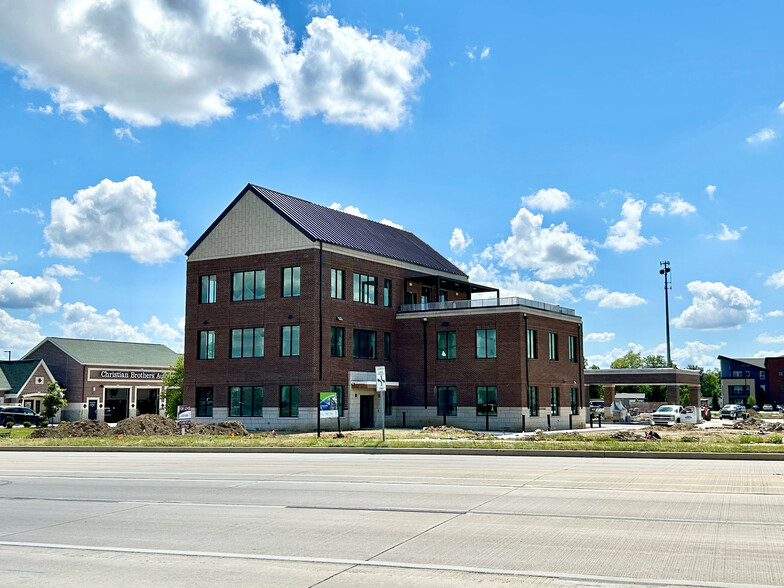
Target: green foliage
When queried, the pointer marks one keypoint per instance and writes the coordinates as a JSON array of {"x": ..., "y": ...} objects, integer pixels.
[
  {"x": 595, "y": 367},
  {"x": 654, "y": 361},
  {"x": 751, "y": 401},
  {"x": 747, "y": 439},
  {"x": 774, "y": 439},
  {"x": 684, "y": 395},
  {"x": 172, "y": 386},
  {"x": 630, "y": 360},
  {"x": 27, "y": 424},
  {"x": 716, "y": 404},
  {"x": 596, "y": 391},
  {"x": 9, "y": 424},
  {"x": 42, "y": 423},
  {"x": 53, "y": 401}
]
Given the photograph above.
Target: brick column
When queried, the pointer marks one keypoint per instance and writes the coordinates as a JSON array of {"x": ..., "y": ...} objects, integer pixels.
[
  {"x": 609, "y": 398},
  {"x": 673, "y": 394},
  {"x": 694, "y": 395}
]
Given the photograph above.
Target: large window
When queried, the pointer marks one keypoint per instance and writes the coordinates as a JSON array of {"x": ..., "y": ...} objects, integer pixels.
[
  {"x": 338, "y": 391},
  {"x": 245, "y": 401},
  {"x": 387, "y": 292},
  {"x": 530, "y": 343},
  {"x": 533, "y": 400},
  {"x": 289, "y": 401},
  {"x": 207, "y": 287},
  {"x": 485, "y": 343},
  {"x": 552, "y": 343},
  {"x": 336, "y": 287},
  {"x": 364, "y": 344},
  {"x": 248, "y": 285},
  {"x": 575, "y": 400},
  {"x": 486, "y": 400},
  {"x": 247, "y": 342},
  {"x": 364, "y": 289},
  {"x": 387, "y": 403},
  {"x": 554, "y": 401},
  {"x": 447, "y": 401},
  {"x": 289, "y": 340},
  {"x": 447, "y": 344},
  {"x": 203, "y": 402},
  {"x": 572, "y": 349},
  {"x": 206, "y": 344},
  {"x": 290, "y": 281},
  {"x": 387, "y": 346},
  {"x": 336, "y": 341}
]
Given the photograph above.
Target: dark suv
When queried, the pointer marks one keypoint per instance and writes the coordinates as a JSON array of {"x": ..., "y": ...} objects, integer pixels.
[{"x": 18, "y": 415}]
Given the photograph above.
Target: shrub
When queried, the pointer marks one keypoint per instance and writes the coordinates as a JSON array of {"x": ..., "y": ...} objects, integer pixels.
[
  {"x": 774, "y": 439},
  {"x": 9, "y": 424},
  {"x": 688, "y": 439},
  {"x": 27, "y": 424},
  {"x": 43, "y": 423}
]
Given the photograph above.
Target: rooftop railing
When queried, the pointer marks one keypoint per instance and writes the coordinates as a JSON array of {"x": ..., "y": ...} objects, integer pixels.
[{"x": 485, "y": 303}]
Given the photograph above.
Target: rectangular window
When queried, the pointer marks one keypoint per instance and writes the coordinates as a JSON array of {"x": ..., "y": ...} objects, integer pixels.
[
  {"x": 533, "y": 400},
  {"x": 364, "y": 344},
  {"x": 762, "y": 375},
  {"x": 289, "y": 401},
  {"x": 336, "y": 341},
  {"x": 249, "y": 285},
  {"x": 336, "y": 289},
  {"x": 206, "y": 344},
  {"x": 737, "y": 374},
  {"x": 245, "y": 401},
  {"x": 485, "y": 343},
  {"x": 289, "y": 340},
  {"x": 364, "y": 289},
  {"x": 387, "y": 346},
  {"x": 575, "y": 400},
  {"x": 447, "y": 401},
  {"x": 572, "y": 349},
  {"x": 208, "y": 284},
  {"x": 247, "y": 342},
  {"x": 290, "y": 282},
  {"x": 387, "y": 292},
  {"x": 554, "y": 401},
  {"x": 411, "y": 298},
  {"x": 203, "y": 402},
  {"x": 447, "y": 344},
  {"x": 338, "y": 390},
  {"x": 486, "y": 400},
  {"x": 387, "y": 403},
  {"x": 552, "y": 340},
  {"x": 530, "y": 343}
]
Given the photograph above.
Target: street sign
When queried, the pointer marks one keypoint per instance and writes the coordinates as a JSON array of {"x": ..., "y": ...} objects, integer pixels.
[{"x": 381, "y": 378}]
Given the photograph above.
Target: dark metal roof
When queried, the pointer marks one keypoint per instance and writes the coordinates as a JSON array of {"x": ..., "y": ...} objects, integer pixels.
[
  {"x": 320, "y": 223},
  {"x": 14, "y": 374}
]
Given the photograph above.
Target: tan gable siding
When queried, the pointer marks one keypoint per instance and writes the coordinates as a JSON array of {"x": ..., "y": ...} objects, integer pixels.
[{"x": 249, "y": 228}]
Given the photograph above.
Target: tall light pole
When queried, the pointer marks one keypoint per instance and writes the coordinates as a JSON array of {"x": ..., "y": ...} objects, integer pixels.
[{"x": 665, "y": 271}]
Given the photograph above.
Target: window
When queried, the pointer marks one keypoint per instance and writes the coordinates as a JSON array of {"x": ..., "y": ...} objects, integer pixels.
[
  {"x": 289, "y": 401},
  {"x": 336, "y": 289},
  {"x": 290, "y": 282},
  {"x": 554, "y": 401},
  {"x": 447, "y": 401},
  {"x": 411, "y": 298},
  {"x": 289, "y": 341},
  {"x": 247, "y": 342},
  {"x": 737, "y": 374},
  {"x": 575, "y": 400},
  {"x": 447, "y": 344},
  {"x": 248, "y": 285},
  {"x": 572, "y": 349},
  {"x": 364, "y": 289},
  {"x": 203, "y": 402},
  {"x": 336, "y": 341},
  {"x": 387, "y": 292},
  {"x": 748, "y": 374},
  {"x": 485, "y": 343},
  {"x": 246, "y": 401},
  {"x": 387, "y": 346},
  {"x": 208, "y": 284},
  {"x": 530, "y": 343},
  {"x": 364, "y": 344},
  {"x": 552, "y": 339},
  {"x": 338, "y": 391},
  {"x": 762, "y": 375},
  {"x": 486, "y": 401},
  {"x": 533, "y": 400},
  {"x": 387, "y": 403},
  {"x": 206, "y": 344}
]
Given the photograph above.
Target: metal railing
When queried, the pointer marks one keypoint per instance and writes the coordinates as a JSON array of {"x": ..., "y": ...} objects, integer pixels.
[{"x": 485, "y": 303}]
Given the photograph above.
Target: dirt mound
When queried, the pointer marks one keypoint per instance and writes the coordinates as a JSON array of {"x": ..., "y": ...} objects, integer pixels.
[
  {"x": 682, "y": 427},
  {"x": 147, "y": 424},
  {"x": 753, "y": 424},
  {"x": 83, "y": 428},
  {"x": 444, "y": 432},
  {"x": 225, "y": 428}
]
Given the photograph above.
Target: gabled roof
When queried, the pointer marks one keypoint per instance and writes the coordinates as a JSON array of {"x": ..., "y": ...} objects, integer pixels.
[
  {"x": 112, "y": 353},
  {"x": 758, "y": 362},
  {"x": 14, "y": 374},
  {"x": 320, "y": 223}
]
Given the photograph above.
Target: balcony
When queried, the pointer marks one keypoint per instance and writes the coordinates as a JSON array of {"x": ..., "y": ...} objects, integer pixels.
[{"x": 486, "y": 303}]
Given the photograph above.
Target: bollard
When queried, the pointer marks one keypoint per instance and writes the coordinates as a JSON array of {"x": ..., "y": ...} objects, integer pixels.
[
  {"x": 548, "y": 422},
  {"x": 570, "y": 420},
  {"x": 523, "y": 424},
  {"x": 404, "y": 420},
  {"x": 590, "y": 419},
  {"x": 600, "y": 421}
]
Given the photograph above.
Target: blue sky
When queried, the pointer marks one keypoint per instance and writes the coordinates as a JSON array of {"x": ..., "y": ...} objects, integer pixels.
[{"x": 557, "y": 151}]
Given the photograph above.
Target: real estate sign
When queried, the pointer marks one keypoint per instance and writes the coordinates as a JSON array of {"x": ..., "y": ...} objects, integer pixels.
[{"x": 328, "y": 405}]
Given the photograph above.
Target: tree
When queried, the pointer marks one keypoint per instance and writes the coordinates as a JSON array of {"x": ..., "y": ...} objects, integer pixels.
[
  {"x": 630, "y": 360},
  {"x": 595, "y": 367},
  {"x": 53, "y": 401},
  {"x": 655, "y": 361},
  {"x": 172, "y": 386}
]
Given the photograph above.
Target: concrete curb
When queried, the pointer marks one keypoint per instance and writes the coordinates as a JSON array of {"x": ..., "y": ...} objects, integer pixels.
[{"x": 419, "y": 451}]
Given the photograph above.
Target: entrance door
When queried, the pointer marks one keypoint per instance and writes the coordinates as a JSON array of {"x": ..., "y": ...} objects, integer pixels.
[
  {"x": 147, "y": 400},
  {"x": 365, "y": 412},
  {"x": 116, "y": 405},
  {"x": 92, "y": 409}
]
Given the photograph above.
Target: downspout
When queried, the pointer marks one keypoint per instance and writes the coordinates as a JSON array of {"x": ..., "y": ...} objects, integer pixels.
[
  {"x": 581, "y": 360},
  {"x": 525, "y": 348},
  {"x": 321, "y": 309},
  {"x": 424, "y": 356}
]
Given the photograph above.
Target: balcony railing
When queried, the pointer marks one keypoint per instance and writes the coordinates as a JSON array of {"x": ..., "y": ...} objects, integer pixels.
[{"x": 485, "y": 303}]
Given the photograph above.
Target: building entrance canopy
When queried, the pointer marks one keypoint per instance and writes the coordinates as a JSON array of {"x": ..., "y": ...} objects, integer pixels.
[{"x": 673, "y": 378}]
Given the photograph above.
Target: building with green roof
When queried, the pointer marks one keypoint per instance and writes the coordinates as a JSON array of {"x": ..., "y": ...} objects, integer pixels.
[{"x": 24, "y": 382}]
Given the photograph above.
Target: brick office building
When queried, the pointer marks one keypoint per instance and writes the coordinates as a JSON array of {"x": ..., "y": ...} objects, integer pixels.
[{"x": 286, "y": 299}]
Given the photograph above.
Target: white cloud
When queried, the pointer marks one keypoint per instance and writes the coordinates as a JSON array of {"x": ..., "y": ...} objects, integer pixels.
[
  {"x": 728, "y": 234},
  {"x": 389, "y": 223},
  {"x": 8, "y": 257},
  {"x": 41, "y": 293},
  {"x": 609, "y": 299},
  {"x": 8, "y": 179},
  {"x": 485, "y": 53},
  {"x": 710, "y": 190},
  {"x": 781, "y": 107},
  {"x": 775, "y": 313},
  {"x": 658, "y": 208},
  {"x": 625, "y": 234},
  {"x": 354, "y": 211},
  {"x": 776, "y": 280},
  {"x": 549, "y": 200},
  {"x": 471, "y": 52},
  {"x": 145, "y": 62},
  {"x": 761, "y": 136},
  {"x": 46, "y": 110},
  {"x": 675, "y": 205},
  {"x": 39, "y": 215},
  {"x": 159, "y": 332},
  {"x": 604, "y": 337},
  {"x": 81, "y": 320},
  {"x": 692, "y": 352},
  {"x": 66, "y": 271},
  {"x": 319, "y": 8},
  {"x": 459, "y": 241},
  {"x": 770, "y": 339},
  {"x": 125, "y": 133},
  {"x": 18, "y": 335},
  {"x": 113, "y": 217},
  {"x": 717, "y": 306},
  {"x": 551, "y": 252},
  {"x": 512, "y": 285}
]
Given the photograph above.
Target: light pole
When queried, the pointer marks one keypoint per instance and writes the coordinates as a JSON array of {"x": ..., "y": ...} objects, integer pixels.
[{"x": 665, "y": 271}]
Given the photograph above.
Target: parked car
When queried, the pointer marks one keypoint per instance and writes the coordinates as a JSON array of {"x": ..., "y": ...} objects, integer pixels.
[
  {"x": 733, "y": 411},
  {"x": 671, "y": 414},
  {"x": 767, "y": 407},
  {"x": 19, "y": 415}
]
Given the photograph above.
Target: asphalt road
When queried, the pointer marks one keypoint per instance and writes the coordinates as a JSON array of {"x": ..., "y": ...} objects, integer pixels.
[{"x": 156, "y": 519}]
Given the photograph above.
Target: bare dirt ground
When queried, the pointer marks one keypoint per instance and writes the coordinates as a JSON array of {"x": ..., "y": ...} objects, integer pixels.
[{"x": 148, "y": 424}]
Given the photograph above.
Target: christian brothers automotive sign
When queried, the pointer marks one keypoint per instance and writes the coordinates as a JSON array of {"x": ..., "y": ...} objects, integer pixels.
[{"x": 125, "y": 375}]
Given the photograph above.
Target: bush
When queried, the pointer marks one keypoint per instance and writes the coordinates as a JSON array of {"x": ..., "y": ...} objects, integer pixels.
[
  {"x": 43, "y": 423},
  {"x": 774, "y": 439},
  {"x": 27, "y": 424},
  {"x": 9, "y": 424}
]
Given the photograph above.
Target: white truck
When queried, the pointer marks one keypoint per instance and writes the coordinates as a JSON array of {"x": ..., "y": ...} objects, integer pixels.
[{"x": 672, "y": 414}]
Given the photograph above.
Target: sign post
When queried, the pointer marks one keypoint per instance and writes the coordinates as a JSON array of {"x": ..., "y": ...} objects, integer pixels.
[
  {"x": 381, "y": 387},
  {"x": 183, "y": 418}
]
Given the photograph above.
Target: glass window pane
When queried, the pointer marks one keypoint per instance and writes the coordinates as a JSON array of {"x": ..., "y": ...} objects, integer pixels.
[
  {"x": 286, "y": 341},
  {"x": 205, "y": 288},
  {"x": 481, "y": 343},
  {"x": 356, "y": 287},
  {"x": 295, "y": 401},
  {"x": 491, "y": 343},
  {"x": 248, "y": 286},
  {"x": 236, "y": 288},
  {"x": 258, "y": 401},
  {"x": 236, "y": 342},
  {"x": 247, "y": 343},
  {"x": 295, "y": 282},
  {"x": 235, "y": 401},
  {"x": 210, "y": 344},
  {"x": 247, "y": 400},
  {"x": 258, "y": 342},
  {"x": 371, "y": 290},
  {"x": 261, "y": 284},
  {"x": 294, "y": 340}
]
